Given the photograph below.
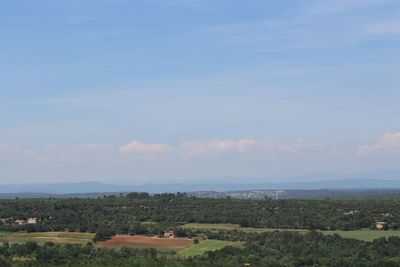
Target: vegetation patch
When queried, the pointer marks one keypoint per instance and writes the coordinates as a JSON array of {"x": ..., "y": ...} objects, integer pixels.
[
  {"x": 207, "y": 245},
  {"x": 365, "y": 235},
  {"x": 43, "y": 237},
  {"x": 230, "y": 227},
  {"x": 211, "y": 226},
  {"x": 149, "y": 223}
]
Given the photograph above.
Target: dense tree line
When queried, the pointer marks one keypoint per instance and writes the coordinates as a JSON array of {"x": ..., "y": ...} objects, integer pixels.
[
  {"x": 141, "y": 213},
  {"x": 31, "y": 254},
  {"x": 129, "y": 213},
  {"x": 268, "y": 249}
]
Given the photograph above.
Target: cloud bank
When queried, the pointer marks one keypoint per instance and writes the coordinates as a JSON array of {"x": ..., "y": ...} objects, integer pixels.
[
  {"x": 193, "y": 149},
  {"x": 247, "y": 157},
  {"x": 139, "y": 147},
  {"x": 388, "y": 143}
]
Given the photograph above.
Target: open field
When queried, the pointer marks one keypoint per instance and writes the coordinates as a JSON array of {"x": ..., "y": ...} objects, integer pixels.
[
  {"x": 212, "y": 226},
  {"x": 147, "y": 242},
  {"x": 149, "y": 223},
  {"x": 365, "y": 235},
  {"x": 183, "y": 245},
  {"x": 207, "y": 245},
  {"x": 43, "y": 237}
]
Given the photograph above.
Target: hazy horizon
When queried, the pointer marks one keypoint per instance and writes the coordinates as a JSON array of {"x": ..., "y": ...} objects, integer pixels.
[
  {"x": 375, "y": 175},
  {"x": 134, "y": 92}
]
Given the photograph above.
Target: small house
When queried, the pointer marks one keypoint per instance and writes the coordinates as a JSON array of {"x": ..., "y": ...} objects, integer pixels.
[
  {"x": 20, "y": 222},
  {"x": 32, "y": 220},
  {"x": 380, "y": 225},
  {"x": 169, "y": 234}
]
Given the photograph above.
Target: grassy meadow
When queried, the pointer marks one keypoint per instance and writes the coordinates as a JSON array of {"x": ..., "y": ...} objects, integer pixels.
[
  {"x": 43, "y": 237},
  {"x": 83, "y": 238},
  {"x": 216, "y": 227},
  {"x": 192, "y": 250},
  {"x": 207, "y": 245},
  {"x": 365, "y": 235}
]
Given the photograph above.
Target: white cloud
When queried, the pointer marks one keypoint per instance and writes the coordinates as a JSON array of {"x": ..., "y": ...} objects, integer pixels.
[
  {"x": 190, "y": 149},
  {"x": 139, "y": 147},
  {"x": 80, "y": 153},
  {"x": 389, "y": 142},
  {"x": 207, "y": 147},
  {"x": 76, "y": 153}
]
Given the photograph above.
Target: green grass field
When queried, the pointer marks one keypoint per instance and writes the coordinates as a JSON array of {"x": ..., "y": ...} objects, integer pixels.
[
  {"x": 210, "y": 226},
  {"x": 365, "y": 235},
  {"x": 41, "y": 238},
  {"x": 149, "y": 223},
  {"x": 84, "y": 238},
  {"x": 207, "y": 245},
  {"x": 198, "y": 249}
]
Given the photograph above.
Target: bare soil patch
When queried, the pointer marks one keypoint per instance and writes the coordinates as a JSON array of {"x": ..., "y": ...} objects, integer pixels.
[{"x": 147, "y": 241}]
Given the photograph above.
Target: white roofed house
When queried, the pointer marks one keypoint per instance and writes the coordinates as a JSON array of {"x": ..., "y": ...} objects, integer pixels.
[
  {"x": 169, "y": 234},
  {"x": 32, "y": 220},
  {"x": 20, "y": 222},
  {"x": 380, "y": 225}
]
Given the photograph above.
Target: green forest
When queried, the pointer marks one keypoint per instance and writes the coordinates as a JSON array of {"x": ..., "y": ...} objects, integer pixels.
[
  {"x": 126, "y": 213},
  {"x": 300, "y": 240}
]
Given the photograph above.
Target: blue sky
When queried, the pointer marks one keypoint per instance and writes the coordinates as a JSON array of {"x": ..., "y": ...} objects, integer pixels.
[{"x": 189, "y": 90}]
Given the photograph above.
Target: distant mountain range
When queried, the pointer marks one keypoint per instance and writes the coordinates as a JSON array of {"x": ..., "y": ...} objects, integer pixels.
[{"x": 97, "y": 187}]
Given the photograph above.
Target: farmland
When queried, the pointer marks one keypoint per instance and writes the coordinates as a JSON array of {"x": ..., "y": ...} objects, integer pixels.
[
  {"x": 207, "y": 245},
  {"x": 364, "y": 235},
  {"x": 112, "y": 231},
  {"x": 230, "y": 227},
  {"x": 41, "y": 238},
  {"x": 147, "y": 242},
  {"x": 184, "y": 246}
]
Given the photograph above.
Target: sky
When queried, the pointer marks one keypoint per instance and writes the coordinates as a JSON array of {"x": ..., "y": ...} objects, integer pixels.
[{"x": 152, "y": 91}]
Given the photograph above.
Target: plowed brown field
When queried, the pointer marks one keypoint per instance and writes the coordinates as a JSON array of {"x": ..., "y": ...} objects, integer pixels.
[{"x": 147, "y": 241}]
